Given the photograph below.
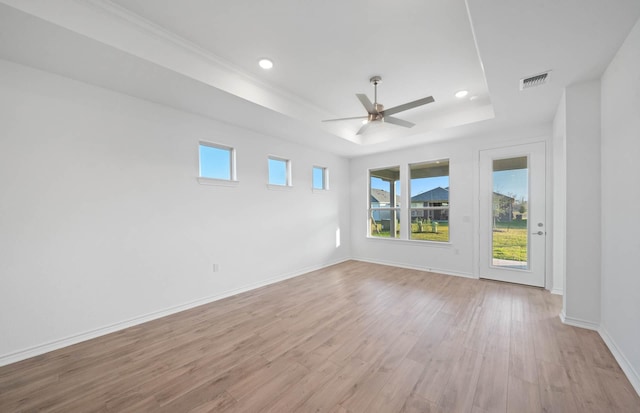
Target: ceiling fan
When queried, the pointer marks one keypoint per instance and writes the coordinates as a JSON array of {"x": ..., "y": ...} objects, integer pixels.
[{"x": 377, "y": 113}]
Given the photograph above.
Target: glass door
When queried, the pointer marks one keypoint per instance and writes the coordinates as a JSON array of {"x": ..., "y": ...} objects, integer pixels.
[{"x": 512, "y": 229}]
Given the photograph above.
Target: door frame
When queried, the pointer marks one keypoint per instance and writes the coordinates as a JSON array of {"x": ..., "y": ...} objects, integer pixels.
[{"x": 517, "y": 149}]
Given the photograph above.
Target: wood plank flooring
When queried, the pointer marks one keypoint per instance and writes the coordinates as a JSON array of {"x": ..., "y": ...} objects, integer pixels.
[{"x": 354, "y": 337}]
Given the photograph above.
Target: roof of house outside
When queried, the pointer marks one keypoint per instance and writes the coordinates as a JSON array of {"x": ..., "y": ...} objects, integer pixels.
[
  {"x": 382, "y": 197},
  {"x": 435, "y": 194},
  {"x": 442, "y": 195}
]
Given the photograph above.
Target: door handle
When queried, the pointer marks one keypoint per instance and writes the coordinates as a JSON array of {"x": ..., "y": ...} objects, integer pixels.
[{"x": 538, "y": 233}]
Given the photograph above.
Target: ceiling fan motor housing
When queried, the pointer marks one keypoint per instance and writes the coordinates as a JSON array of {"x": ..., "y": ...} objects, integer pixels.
[{"x": 374, "y": 117}]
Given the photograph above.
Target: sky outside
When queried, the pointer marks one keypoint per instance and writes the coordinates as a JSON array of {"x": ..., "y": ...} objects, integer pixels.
[
  {"x": 513, "y": 183},
  {"x": 510, "y": 182},
  {"x": 318, "y": 178},
  {"x": 418, "y": 186},
  {"x": 215, "y": 162},
  {"x": 277, "y": 172}
]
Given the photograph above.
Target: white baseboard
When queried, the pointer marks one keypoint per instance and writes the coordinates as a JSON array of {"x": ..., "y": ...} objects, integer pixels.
[
  {"x": 562, "y": 316},
  {"x": 88, "y": 335},
  {"x": 625, "y": 365},
  {"x": 627, "y": 368},
  {"x": 577, "y": 322},
  {"x": 557, "y": 291},
  {"x": 415, "y": 267}
]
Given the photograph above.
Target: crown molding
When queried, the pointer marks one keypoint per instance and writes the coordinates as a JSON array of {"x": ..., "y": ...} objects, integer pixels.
[{"x": 116, "y": 26}]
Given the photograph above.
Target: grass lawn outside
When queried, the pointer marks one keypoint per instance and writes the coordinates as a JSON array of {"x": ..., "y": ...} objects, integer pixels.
[
  {"x": 427, "y": 233},
  {"x": 384, "y": 234},
  {"x": 510, "y": 240}
]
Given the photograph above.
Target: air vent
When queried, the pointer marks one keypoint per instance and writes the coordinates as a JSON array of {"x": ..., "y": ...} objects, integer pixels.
[{"x": 536, "y": 80}]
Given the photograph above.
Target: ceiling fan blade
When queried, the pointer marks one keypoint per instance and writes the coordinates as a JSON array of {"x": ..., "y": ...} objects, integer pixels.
[
  {"x": 355, "y": 117},
  {"x": 366, "y": 103},
  {"x": 399, "y": 122},
  {"x": 364, "y": 128},
  {"x": 408, "y": 106}
]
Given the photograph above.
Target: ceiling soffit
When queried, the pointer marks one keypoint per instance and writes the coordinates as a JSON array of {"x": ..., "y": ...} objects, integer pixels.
[{"x": 112, "y": 24}]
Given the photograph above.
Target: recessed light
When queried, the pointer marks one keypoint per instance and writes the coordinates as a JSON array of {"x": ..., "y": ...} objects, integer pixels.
[
  {"x": 462, "y": 93},
  {"x": 265, "y": 63}
]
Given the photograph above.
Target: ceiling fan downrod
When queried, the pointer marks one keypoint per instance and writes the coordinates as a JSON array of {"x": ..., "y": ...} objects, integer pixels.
[{"x": 375, "y": 80}]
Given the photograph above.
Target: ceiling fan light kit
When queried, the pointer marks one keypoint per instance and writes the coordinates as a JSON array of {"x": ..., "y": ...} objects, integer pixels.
[{"x": 376, "y": 113}]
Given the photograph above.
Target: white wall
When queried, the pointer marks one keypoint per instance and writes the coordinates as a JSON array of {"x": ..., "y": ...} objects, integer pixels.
[
  {"x": 582, "y": 202},
  {"x": 559, "y": 187},
  {"x": 621, "y": 200},
  {"x": 103, "y": 223},
  {"x": 458, "y": 257}
]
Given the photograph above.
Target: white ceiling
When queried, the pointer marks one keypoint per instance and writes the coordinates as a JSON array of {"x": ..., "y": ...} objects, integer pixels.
[
  {"x": 325, "y": 52},
  {"x": 201, "y": 56}
]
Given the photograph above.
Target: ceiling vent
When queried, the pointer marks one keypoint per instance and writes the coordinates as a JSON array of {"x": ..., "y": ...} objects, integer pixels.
[{"x": 536, "y": 80}]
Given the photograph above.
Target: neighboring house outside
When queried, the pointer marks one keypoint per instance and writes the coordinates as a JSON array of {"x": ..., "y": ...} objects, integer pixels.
[
  {"x": 436, "y": 197},
  {"x": 380, "y": 199},
  {"x": 439, "y": 197}
]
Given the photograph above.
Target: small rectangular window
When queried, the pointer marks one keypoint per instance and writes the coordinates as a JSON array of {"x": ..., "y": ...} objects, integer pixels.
[
  {"x": 429, "y": 182},
  {"x": 320, "y": 178},
  {"x": 217, "y": 161},
  {"x": 279, "y": 171},
  {"x": 384, "y": 202}
]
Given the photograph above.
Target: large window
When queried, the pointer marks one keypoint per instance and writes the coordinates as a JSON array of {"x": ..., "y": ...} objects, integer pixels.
[
  {"x": 217, "y": 161},
  {"x": 429, "y": 183},
  {"x": 279, "y": 171},
  {"x": 384, "y": 202}
]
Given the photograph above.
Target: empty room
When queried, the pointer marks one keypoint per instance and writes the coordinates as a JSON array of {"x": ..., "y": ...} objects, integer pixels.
[{"x": 335, "y": 206}]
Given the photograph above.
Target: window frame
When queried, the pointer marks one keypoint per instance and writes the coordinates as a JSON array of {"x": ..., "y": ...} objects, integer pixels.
[
  {"x": 325, "y": 178},
  {"x": 447, "y": 207},
  {"x": 394, "y": 211},
  {"x": 207, "y": 180},
  {"x": 288, "y": 176}
]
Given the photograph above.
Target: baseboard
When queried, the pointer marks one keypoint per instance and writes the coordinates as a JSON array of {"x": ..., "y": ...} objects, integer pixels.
[
  {"x": 557, "y": 291},
  {"x": 577, "y": 322},
  {"x": 415, "y": 267},
  {"x": 562, "y": 316},
  {"x": 88, "y": 335},
  {"x": 625, "y": 365},
  {"x": 627, "y": 368}
]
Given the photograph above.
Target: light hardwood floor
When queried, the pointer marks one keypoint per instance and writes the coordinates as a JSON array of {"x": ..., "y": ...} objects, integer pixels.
[{"x": 354, "y": 337}]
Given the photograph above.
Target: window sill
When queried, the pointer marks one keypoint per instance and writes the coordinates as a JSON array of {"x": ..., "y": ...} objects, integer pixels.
[
  {"x": 217, "y": 182},
  {"x": 279, "y": 187},
  {"x": 319, "y": 191},
  {"x": 437, "y": 244}
]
